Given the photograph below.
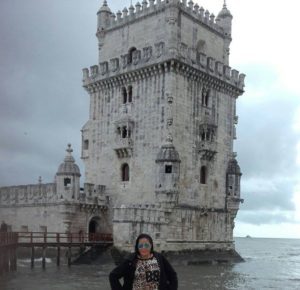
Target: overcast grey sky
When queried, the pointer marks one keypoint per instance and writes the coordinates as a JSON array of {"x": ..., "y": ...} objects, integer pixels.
[{"x": 46, "y": 43}]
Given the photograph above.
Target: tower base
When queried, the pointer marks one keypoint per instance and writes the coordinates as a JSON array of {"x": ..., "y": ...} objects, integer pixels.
[{"x": 189, "y": 257}]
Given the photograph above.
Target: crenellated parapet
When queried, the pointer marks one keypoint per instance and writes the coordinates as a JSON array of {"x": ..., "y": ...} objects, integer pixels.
[
  {"x": 46, "y": 194},
  {"x": 28, "y": 194},
  {"x": 148, "y": 8},
  {"x": 154, "y": 59}
]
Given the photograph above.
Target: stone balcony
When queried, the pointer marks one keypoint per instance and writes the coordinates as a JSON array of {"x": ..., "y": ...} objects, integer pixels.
[
  {"x": 207, "y": 149},
  {"x": 123, "y": 147},
  {"x": 233, "y": 202}
]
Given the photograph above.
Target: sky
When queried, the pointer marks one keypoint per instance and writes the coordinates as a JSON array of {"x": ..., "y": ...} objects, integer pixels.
[{"x": 45, "y": 44}]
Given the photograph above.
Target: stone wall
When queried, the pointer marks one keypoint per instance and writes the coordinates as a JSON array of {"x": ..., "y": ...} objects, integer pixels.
[{"x": 28, "y": 194}]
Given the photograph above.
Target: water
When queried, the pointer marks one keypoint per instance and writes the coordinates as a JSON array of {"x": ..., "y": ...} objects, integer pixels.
[{"x": 270, "y": 264}]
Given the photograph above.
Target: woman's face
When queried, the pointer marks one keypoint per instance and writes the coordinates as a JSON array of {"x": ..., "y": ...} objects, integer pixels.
[{"x": 144, "y": 248}]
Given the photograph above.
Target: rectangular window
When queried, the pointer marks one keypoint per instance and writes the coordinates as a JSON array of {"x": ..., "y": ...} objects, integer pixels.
[
  {"x": 86, "y": 144},
  {"x": 67, "y": 181},
  {"x": 168, "y": 169}
]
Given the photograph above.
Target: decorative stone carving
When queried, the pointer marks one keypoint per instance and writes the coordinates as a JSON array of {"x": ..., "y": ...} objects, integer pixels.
[
  {"x": 85, "y": 73},
  {"x": 202, "y": 60},
  {"x": 114, "y": 64},
  {"x": 219, "y": 67},
  {"x": 227, "y": 70},
  {"x": 211, "y": 64},
  {"x": 94, "y": 70},
  {"x": 170, "y": 121},
  {"x": 183, "y": 50},
  {"x": 104, "y": 67},
  {"x": 124, "y": 60},
  {"x": 159, "y": 49},
  {"x": 147, "y": 53},
  {"x": 136, "y": 57}
]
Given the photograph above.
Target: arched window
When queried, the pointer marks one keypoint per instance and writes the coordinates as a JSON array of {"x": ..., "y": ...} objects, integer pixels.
[
  {"x": 203, "y": 175},
  {"x": 130, "y": 52},
  {"x": 125, "y": 172},
  {"x": 124, "y": 95},
  {"x": 130, "y": 94}
]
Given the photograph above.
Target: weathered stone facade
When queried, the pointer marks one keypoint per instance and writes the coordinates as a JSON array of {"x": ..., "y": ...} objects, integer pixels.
[
  {"x": 162, "y": 124},
  {"x": 158, "y": 145}
]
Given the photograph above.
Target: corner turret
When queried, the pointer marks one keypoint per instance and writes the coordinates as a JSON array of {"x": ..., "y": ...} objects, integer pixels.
[
  {"x": 233, "y": 178},
  {"x": 104, "y": 15},
  {"x": 168, "y": 173},
  {"x": 68, "y": 177},
  {"x": 224, "y": 20}
]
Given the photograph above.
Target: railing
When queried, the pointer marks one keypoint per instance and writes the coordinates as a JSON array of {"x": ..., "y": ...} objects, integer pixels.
[
  {"x": 57, "y": 238},
  {"x": 15, "y": 238},
  {"x": 8, "y": 239}
]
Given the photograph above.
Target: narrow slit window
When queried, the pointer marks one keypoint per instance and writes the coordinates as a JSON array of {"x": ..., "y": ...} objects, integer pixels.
[
  {"x": 203, "y": 175},
  {"x": 124, "y": 95},
  {"x": 130, "y": 94}
]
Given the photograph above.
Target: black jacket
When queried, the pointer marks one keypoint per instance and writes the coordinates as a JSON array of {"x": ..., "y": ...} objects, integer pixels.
[{"x": 168, "y": 277}]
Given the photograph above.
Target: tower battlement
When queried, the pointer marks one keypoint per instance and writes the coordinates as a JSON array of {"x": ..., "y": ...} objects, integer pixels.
[
  {"x": 151, "y": 55},
  {"x": 146, "y": 8}
]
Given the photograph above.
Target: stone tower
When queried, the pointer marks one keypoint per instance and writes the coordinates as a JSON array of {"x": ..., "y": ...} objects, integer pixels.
[{"x": 162, "y": 124}]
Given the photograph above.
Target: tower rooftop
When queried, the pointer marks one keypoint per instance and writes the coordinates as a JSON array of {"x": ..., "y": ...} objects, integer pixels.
[{"x": 68, "y": 166}]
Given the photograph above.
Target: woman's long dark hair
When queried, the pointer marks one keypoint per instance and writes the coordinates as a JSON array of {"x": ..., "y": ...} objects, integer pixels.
[{"x": 143, "y": 236}]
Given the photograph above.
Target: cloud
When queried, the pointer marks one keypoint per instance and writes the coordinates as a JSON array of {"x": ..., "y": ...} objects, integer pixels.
[
  {"x": 42, "y": 104},
  {"x": 259, "y": 217},
  {"x": 267, "y": 146},
  {"x": 263, "y": 194}
]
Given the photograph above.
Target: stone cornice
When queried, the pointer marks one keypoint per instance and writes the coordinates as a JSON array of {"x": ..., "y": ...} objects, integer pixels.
[
  {"x": 200, "y": 209},
  {"x": 172, "y": 65}
]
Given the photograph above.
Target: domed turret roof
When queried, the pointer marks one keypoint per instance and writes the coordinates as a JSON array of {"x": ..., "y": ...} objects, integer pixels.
[
  {"x": 224, "y": 13},
  {"x": 68, "y": 167},
  {"x": 104, "y": 7},
  {"x": 233, "y": 167},
  {"x": 168, "y": 153}
]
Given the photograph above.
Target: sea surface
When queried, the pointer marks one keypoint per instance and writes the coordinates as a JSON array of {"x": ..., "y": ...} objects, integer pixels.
[{"x": 269, "y": 264}]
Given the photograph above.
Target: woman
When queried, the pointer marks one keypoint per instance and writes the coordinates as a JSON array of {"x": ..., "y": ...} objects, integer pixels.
[{"x": 144, "y": 269}]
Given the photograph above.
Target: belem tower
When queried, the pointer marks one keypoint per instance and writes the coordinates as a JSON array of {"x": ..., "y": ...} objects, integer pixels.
[{"x": 158, "y": 143}]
